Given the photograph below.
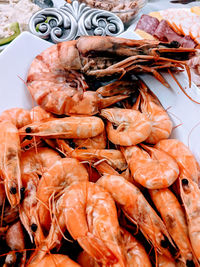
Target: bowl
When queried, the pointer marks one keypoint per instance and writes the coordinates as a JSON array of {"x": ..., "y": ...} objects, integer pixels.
[{"x": 125, "y": 9}]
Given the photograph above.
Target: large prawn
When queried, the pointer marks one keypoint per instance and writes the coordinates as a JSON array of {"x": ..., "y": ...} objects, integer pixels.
[
  {"x": 138, "y": 210},
  {"x": 56, "y": 78}
]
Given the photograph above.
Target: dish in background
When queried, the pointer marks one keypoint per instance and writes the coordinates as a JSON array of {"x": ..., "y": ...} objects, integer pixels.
[
  {"x": 125, "y": 9},
  {"x": 15, "y": 61}
]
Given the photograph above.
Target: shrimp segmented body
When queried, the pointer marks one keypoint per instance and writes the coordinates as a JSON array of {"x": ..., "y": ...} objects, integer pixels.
[
  {"x": 33, "y": 164},
  {"x": 69, "y": 127},
  {"x": 62, "y": 174},
  {"x": 183, "y": 156},
  {"x": 56, "y": 77},
  {"x": 154, "y": 169},
  {"x": 132, "y": 126},
  {"x": 151, "y": 107},
  {"x": 190, "y": 195},
  {"x": 175, "y": 221},
  {"x": 91, "y": 219},
  {"x": 137, "y": 209},
  {"x": 10, "y": 151}
]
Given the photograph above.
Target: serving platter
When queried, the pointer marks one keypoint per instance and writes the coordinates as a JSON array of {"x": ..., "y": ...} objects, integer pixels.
[{"x": 17, "y": 57}]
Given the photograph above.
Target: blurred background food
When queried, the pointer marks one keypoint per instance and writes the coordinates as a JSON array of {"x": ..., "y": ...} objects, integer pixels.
[{"x": 125, "y": 9}]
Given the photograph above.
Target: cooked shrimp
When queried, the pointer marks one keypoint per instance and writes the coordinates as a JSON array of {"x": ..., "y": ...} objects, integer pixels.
[
  {"x": 174, "y": 219},
  {"x": 10, "y": 162},
  {"x": 185, "y": 159},
  {"x": 33, "y": 164},
  {"x": 62, "y": 174},
  {"x": 91, "y": 219},
  {"x": 56, "y": 76},
  {"x": 69, "y": 127},
  {"x": 138, "y": 210},
  {"x": 54, "y": 260},
  {"x": 190, "y": 195},
  {"x": 160, "y": 121},
  {"x": 126, "y": 127},
  {"x": 154, "y": 169},
  {"x": 18, "y": 116}
]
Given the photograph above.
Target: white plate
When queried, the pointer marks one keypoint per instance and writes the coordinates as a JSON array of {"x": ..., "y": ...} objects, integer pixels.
[{"x": 17, "y": 57}]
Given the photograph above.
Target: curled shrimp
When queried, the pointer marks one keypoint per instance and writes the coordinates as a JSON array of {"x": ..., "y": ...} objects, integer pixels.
[
  {"x": 99, "y": 232},
  {"x": 10, "y": 151},
  {"x": 56, "y": 77},
  {"x": 54, "y": 260},
  {"x": 62, "y": 174},
  {"x": 190, "y": 195},
  {"x": 152, "y": 108},
  {"x": 33, "y": 164},
  {"x": 126, "y": 127},
  {"x": 183, "y": 156},
  {"x": 174, "y": 219},
  {"x": 138, "y": 210},
  {"x": 154, "y": 169},
  {"x": 69, "y": 127}
]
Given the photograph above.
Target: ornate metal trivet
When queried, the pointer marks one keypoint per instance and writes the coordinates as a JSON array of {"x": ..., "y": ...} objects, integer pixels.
[{"x": 72, "y": 21}]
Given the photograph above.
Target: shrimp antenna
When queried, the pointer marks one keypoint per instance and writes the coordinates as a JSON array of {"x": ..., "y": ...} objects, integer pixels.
[{"x": 180, "y": 86}]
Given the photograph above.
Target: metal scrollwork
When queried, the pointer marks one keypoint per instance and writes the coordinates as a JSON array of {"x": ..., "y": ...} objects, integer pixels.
[{"x": 73, "y": 20}]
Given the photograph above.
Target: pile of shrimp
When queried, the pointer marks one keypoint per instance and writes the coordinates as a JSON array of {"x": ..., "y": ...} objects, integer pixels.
[{"x": 110, "y": 189}]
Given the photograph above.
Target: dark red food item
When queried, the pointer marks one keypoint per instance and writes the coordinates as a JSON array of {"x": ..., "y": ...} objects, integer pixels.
[
  {"x": 163, "y": 31},
  {"x": 148, "y": 24}
]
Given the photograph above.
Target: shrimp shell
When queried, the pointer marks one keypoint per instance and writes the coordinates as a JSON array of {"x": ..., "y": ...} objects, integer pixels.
[
  {"x": 133, "y": 127},
  {"x": 174, "y": 219},
  {"x": 69, "y": 127},
  {"x": 91, "y": 219},
  {"x": 185, "y": 159},
  {"x": 154, "y": 169},
  {"x": 137, "y": 209}
]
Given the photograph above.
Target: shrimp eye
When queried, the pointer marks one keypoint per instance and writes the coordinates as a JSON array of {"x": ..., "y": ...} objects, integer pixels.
[
  {"x": 164, "y": 243},
  {"x": 28, "y": 130},
  {"x": 22, "y": 190},
  {"x": 34, "y": 227},
  {"x": 190, "y": 263},
  {"x": 39, "y": 176},
  {"x": 71, "y": 143},
  {"x": 13, "y": 190},
  {"x": 114, "y": 126},
  {"x": 185, "y": 181},
  {"x": 83, "y": 147},
  {"x": 175, "y": 44}
]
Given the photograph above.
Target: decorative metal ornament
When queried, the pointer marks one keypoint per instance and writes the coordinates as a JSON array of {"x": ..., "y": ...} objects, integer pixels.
[{"x": 72, "y": 21}]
